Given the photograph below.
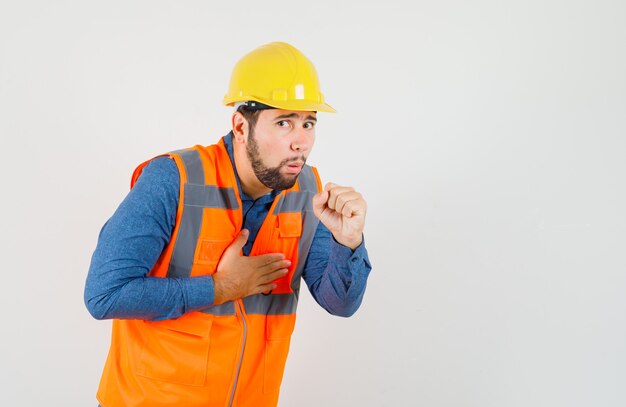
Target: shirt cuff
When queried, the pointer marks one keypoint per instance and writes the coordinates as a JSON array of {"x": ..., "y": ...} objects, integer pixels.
[{"x": 356, "y": 260}]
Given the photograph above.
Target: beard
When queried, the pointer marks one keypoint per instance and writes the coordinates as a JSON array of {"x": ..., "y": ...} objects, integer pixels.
[{"x": 271, "y": 177}]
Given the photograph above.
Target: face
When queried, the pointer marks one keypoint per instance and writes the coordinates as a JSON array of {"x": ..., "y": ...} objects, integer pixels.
[{"x": 279, "y": 145}]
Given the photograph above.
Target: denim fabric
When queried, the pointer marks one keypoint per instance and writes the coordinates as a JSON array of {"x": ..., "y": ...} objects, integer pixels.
[{"x": 131, "y": 241}]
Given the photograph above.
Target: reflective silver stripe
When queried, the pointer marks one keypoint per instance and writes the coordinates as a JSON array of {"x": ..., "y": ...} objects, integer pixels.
[
  {"x": 210, "y": 196},
  {"x": 191, "y": 221},
  {"x": 308, "y": 185},
  {"x": 279, "y": 204},
  {"x": 186, "y": 241},
  {"x": 228, "y": 308},
  {"x": 310, "y": 222},
  {"x": 273, "y": 304},
  {"x": 299, "y": 201},
  {"x": 307, "y": 180},
  {"x": 193, "y": 166}
]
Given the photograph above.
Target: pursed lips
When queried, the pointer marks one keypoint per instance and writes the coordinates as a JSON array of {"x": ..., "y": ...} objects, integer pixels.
[{"x": 294, "y": 167}]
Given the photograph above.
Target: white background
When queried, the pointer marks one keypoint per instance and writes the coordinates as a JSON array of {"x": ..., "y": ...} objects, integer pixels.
[{"x": 487, "y": 136}]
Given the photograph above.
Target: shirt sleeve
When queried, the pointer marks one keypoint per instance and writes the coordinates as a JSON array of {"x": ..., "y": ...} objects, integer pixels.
[
  {"x": 130, "y": 243},
  {"x": 336, "y": 275}
]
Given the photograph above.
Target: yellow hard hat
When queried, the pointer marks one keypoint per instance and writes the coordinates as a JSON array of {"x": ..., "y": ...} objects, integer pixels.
[{"x": 277, "y": 75}]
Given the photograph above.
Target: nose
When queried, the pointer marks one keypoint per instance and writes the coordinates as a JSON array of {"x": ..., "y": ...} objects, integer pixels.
[{"x": 301, "y": 141}]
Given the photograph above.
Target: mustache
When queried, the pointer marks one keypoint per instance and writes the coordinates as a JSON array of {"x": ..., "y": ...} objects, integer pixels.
[{"x": 287, "y": 161}]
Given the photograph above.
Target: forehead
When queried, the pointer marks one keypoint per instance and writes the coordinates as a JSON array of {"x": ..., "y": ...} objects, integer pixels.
[{"x": 275, "y": 114}]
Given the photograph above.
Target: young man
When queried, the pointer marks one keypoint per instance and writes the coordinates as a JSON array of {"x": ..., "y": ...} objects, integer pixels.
[{"x": 200, "y": 266}]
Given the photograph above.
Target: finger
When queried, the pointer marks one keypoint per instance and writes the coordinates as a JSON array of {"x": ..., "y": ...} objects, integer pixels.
[
  {"x": 334, "y": 194},
  {"x": 265, "y": 259},
  {"x": 319, "y": 202},
  {"x": 239, "y": 241},
  {"x": 264, "y": 288},
  {"x": 354, "y": 208},
  {"x": 272, "y": 267},
  {"x": 275, "y": 275},
  {"x": 344, "y": 198}
]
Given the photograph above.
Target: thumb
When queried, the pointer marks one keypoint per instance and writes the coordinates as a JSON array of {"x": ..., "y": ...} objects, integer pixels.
[
  {"x": 319, "y": 201},
  {"x": 239, "y": 241},
  {"x": 329, "y": 186}
]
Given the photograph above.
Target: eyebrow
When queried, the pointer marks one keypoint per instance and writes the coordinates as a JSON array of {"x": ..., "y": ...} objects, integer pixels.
[{"x": 294, "y": 115}]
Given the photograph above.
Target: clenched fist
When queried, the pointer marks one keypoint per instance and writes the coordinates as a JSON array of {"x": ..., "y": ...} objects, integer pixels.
[{"x": 342, "y": 210}]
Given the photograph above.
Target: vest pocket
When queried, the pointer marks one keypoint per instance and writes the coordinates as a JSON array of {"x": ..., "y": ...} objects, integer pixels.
[
  {"x": 208, "y": 254},
  {"x": 177, "y": 350}
]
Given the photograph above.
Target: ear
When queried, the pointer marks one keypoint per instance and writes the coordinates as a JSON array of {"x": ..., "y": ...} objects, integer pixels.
[{"x": 240, "y": 127}]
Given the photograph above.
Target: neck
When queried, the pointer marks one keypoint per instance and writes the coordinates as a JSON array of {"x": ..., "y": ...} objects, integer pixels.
[{"x": 250, "y": 184}]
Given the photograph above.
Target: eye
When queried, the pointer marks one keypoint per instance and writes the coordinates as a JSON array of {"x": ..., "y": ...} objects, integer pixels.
[
  {"x": 309, "y": 125},
  {"x": 282, "y": 123}
]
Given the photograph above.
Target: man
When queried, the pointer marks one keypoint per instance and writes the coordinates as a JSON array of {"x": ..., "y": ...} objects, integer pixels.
[{"x": 200, "y": 266}]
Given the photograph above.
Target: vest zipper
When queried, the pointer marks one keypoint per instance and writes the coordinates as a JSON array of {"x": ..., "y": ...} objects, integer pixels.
[{"x": 243, "y": 348}]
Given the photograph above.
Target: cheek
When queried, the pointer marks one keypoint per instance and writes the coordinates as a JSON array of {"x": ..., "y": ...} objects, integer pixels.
[
  {"x": 277, "y": 145},
  {"x": 273, "y": 153},
  {"x": 274, "y": 145}
]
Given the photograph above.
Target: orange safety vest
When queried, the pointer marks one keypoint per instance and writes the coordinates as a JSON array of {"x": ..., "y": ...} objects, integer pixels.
[{"x": 231, "y": 354}]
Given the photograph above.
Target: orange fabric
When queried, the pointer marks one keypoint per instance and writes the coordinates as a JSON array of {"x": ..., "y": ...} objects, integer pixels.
[{"x": 195, "y": 359}]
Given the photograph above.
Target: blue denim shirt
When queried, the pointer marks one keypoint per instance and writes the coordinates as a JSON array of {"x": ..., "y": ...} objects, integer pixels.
[{"x": 131, "y": 241}]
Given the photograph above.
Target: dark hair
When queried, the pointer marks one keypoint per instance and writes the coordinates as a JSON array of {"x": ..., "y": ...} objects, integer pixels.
[{"x": 251, "y": 115}]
